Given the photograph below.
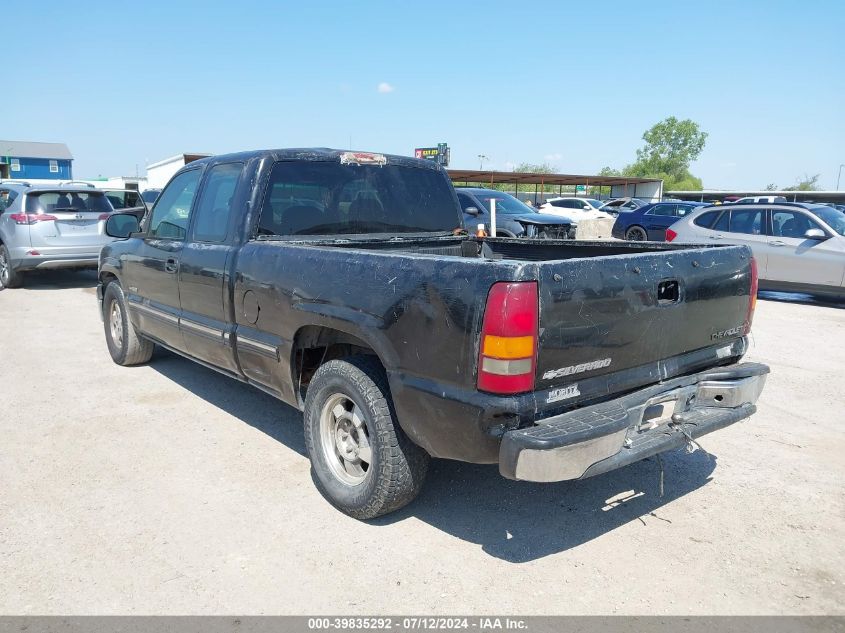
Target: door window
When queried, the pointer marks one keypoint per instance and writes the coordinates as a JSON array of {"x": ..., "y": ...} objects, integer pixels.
[
  {"x": 173, "y": 208},
  {"x": 215, "y": 203},
  {"x": 466, "y": 202},
  {"x": 791, "y": 224},
  {"x": 662, "y": 209},
  {"x": 749, "y": 222}
]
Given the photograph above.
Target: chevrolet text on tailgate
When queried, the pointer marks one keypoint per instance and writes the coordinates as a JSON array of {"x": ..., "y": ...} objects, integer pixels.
[{"x": 337, "y": 282}]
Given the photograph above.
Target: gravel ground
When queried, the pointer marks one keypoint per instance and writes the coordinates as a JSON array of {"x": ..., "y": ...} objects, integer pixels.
[{"x": 168, "y": 489}]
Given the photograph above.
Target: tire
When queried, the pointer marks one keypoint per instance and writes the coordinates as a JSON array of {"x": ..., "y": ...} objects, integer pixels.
[
  {"x": 636, "y": 234},
  {"x": 348, "y": 410},
  {"x": 9, "y": 277},
  {"x": 125, "y": 346}
]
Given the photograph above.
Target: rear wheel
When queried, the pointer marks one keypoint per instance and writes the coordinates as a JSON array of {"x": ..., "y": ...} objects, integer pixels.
[
  {"x": 361, "y": 461},
  {"x": 9, "y": 277},
  {"x": 125, "y": 346},
  {"x": 636, "y": 234}
]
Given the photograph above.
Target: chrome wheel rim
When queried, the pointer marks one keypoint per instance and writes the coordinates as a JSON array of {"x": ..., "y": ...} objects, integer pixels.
[
  {"x": 636, "y": 235},
  {"x": 345, "y": 440},
  {"x": 116, "y": 324}
]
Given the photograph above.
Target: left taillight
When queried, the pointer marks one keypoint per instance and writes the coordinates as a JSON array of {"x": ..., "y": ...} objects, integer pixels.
[
  {"x": 752, "y": 298},
  {"x": 507, "y": 356},
  {"x": 31, "y": 218},
  {"x": 670, "y": 235}
]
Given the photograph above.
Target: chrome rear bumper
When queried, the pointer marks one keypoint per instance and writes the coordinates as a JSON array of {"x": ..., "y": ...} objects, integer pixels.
[{"x": 599, "y": 438}]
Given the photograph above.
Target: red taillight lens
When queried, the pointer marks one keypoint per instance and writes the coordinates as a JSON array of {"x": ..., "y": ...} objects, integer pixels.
[
  {"x": 31, "y": 218},
  {"x": 508, "y": 355},
  {"x": 104, "y": 216},
  {"x": 670, "y": 235},
  {"x": 752, "y": 299}
]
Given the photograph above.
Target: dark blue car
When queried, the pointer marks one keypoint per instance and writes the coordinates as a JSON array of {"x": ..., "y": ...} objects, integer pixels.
[{"x": 651, "y": 221}]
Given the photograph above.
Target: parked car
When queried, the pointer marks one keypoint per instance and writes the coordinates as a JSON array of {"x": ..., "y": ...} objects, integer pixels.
[
  {"x": 575, "y": 208},
  {"x": 756, "y": 199},
  {"x": 650, "y": 221},
  {"x": 46, "y": 227},
  {"x": 514, "y": 218},
  {"x": 401, "y": 341},
  {"x": 149, "y": 196},
  {"x": 621, "y": 205},
  {"x": 798, "y": 247}
]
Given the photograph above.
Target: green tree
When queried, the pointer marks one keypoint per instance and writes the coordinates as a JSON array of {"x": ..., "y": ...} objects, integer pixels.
[
  {"x": 771, "y": 187},
  {"x": 810, "y": 183},
  {"x": 670, "y": 146}
]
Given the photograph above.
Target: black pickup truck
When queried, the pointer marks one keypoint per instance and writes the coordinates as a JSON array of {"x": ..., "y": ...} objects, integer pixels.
[{"x": 339, "y": 283}]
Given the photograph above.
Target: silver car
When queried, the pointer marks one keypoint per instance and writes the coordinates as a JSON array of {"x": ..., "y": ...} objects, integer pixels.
[
  {"x": 50, "y": 227},
  {"x": 798, "y": 247}
]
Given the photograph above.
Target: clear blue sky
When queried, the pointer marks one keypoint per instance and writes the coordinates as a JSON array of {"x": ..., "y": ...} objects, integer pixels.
[{"x": 572, "y": 84}]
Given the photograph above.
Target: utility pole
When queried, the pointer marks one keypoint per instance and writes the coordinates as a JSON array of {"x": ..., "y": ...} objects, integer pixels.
[
  {"x": 839, "y": 177},
  {"x": 482, "y": 158}
]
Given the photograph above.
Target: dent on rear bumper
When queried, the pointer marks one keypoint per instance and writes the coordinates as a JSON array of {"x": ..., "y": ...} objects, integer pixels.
[{"x": 594, "y": 440}]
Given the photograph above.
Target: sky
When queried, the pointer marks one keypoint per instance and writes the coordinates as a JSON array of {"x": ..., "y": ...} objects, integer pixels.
[{"x": 574, "y": 85}]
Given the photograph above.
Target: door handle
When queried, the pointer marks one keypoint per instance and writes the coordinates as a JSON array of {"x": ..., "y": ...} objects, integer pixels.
[
  {"x": 171, "y": 265},
  {"x": 715, "y": 237},
  {"x": 777, "y": 243}
]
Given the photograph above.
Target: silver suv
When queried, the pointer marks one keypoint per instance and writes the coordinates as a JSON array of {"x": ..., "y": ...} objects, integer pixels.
[
  {"x": 798, "y": 247},
  {"x": 49, "y": 227}
]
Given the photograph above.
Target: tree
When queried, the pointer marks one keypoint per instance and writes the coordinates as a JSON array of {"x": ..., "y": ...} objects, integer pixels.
[
  {"x": 670, "y": 146},
  {"x": 810, "y": 183},
  {"x": 531, "y": 168},
  {"x": 771, "y": 187}
]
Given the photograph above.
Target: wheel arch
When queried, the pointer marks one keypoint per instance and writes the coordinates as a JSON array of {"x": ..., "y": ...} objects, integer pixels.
[{"x": 314, "y": 345}]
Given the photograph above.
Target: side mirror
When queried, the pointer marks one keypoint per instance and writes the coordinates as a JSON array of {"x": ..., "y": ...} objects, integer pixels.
[
  {"x": 122, "y": 225},
  {"x": 815, "y": 234},
  {"x": 472, "y": 211}
]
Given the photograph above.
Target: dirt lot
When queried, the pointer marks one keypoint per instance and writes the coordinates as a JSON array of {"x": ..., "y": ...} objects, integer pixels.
[{"x": 169, "y": 489}]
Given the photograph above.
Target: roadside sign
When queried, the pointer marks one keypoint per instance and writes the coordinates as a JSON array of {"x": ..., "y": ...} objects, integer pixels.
[{"x": 439, "y": 154}]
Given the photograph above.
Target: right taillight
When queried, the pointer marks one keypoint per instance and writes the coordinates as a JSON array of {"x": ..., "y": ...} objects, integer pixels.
[
  {"x": 752, "y": 299},
  {"x": 507, "y": 357},
  {"x": 670, "y": 235}
]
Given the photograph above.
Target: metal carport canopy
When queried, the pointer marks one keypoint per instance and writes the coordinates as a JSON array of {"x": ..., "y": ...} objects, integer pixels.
[{"x": 525, "y": 178}]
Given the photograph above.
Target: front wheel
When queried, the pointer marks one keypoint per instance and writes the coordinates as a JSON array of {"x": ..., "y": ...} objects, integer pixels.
[
  {"x": 361, "y": 460},
  {"x": 9, "y": 277},
  {"x": 636, "y": 234},
  {"x": 125, "y": 346}
]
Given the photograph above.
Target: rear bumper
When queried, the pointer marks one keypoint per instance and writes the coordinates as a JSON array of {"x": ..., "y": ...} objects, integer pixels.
[
  {"x": 600, "y": 438},
  {"x": 50, "y": 257}
]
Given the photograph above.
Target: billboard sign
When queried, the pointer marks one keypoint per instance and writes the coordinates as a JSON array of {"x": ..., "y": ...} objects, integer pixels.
[{"x": 439, "y": 154}]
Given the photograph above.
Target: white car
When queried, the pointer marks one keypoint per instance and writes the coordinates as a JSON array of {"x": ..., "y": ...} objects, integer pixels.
[
  {"x": 798, "y": 247},
  {"x": 748, "y": 199},
  {"x": 575, "y": 208}
]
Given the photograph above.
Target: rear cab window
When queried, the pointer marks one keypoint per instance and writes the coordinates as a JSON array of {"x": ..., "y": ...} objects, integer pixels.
[{"x": 330, "y": 198}]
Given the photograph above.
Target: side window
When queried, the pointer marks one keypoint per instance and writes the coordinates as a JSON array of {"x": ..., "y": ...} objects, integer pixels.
[
  {"x": 705, "y": 220},
  {"x": 465, "y": 201},
  {"x": 173, "y": 209},
  {"x": 564, "y": 204},
  {"x": 791, "y": 224},
  {"x": 723, "y": 223},
  {"x": 215, "y": 203},
  {"x": 748, "y": 222},
  {"x": 662, "y": 209}
]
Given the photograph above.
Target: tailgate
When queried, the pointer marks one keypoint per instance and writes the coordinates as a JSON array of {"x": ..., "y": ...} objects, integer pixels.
[{"x": 606, "y": 314}]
